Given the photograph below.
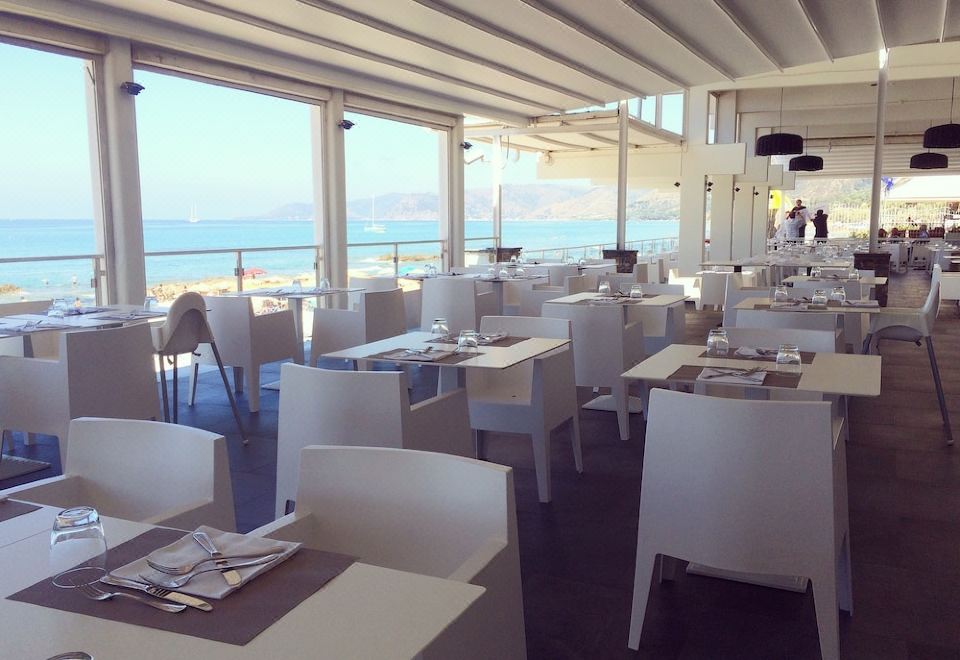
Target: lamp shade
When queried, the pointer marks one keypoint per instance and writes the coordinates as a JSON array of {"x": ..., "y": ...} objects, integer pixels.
[
  {"x": 944, "y": 136},
  {"x": 806, "y": 163},
  {"x": 928, "y": 160},
  {"x": 779, "y": 144}
]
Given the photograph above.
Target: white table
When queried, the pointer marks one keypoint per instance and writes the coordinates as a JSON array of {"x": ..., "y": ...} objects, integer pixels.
[
  {"x": 365, "y": 612},
  {"x": 762, "y": 304},
  {"x": 453, "y": 375},
  {"x": 866, "y": 281},
  {"x": 28, "y": 524},
  {"x": 499, "y": 282}
]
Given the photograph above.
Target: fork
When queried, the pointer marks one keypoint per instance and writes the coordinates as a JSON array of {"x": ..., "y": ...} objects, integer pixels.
[
  {"x": 175, "y": 581},
  {"x": 94, "y": 593},
  {"x": 183, "y": 569}
]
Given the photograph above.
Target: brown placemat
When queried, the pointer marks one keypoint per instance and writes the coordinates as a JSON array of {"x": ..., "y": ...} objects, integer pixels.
[
  {"x": 805, "y": 357},
  {"x": 11, "y": 509},
  {"x": 621, "y": 300},
  {"x": 688, "y": 373},
  {"x": 831, "y": 304},
  {"x": 456, "y": 358},
  {"x": 237, "y": 619},
  {"x": 506, "y": 342}
]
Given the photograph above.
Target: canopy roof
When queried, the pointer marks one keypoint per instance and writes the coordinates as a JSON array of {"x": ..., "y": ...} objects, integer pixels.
[{"x": 924, "y": 188}]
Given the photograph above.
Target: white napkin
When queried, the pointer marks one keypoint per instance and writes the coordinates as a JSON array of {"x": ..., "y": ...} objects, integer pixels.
[
  {"x": 721, "y": 375},
  {"x": 418, "y": 355},
  {"x": 605, "y": 300},
  {"x": 861, "y": 303},
  {"x": 187, "y": 551},
  {"x": 788, "y": 304},
  {"x": 751, "y": 352},
  {"x": 492, "y": 338}
]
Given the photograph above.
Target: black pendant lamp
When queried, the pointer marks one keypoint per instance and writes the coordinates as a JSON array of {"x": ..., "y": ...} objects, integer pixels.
[
  {"x": 928, "y": 160},
  {"x": 779, "y": 144},
  {"x": 806, "y": 162},
  {"x": 944, "y": 136}
]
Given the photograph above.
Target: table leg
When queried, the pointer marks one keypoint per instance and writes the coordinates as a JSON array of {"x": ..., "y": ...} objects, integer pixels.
[
  {"x": 297, "y": 308},
  {"x": 498, "y": 292},
  {"x": 451, "y": 378}
]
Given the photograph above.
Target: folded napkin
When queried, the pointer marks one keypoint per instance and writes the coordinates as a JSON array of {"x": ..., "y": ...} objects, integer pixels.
[
  {"x": 33, "y": 326},
  {"x": 605, "y": 300},
  {"x": 758, "y": 352},
  {"x": 417, "y": 354},
  {"x": 732, "y": 376},
  {"x": 787, "y": 304},
  {"x": 187, "y": 551},
  {"x": 861, "y": 303},
  {"x": 135, "y": 314},
  {"x": 492, "y": 338}
]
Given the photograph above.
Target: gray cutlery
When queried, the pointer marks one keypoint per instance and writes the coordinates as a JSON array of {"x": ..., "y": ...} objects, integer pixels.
[
  {"x": 94, "y": 593},
  {"x": 183, "y": 569},
  {"x": 230, "y": 576},
  {"x": 159, "y": 592},
  {"x": 173, "y": 582}
]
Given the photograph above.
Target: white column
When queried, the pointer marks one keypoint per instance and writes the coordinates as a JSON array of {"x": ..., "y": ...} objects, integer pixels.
[
  {"x": 496, "y": 167},
  {"x": 761, "y": 204},
  {"x": 451, "y": 194},
  {"x": 721, "y": 216},
  {"x": 330, "y": 187},
  {"x": 878, "y": 151},
  {"x": 623, "y": 145},
  {"x": 120, "y": 174},
  {"x": 693, "y": 207},
  {"x": 742, "y": 240},
  {"x": 102, "y": 211}
]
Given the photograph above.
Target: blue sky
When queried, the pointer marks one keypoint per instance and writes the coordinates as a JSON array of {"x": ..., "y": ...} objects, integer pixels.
[{"x": 227, "y": 152}]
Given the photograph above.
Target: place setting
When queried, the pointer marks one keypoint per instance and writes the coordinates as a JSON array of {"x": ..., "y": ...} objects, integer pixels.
[{"x": 466, "y": 342}]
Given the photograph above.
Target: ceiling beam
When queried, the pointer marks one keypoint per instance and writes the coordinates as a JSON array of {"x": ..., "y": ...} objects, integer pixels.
[
  {"x": 610, "y": 44},
  {"x": 557, "y": 143},
  {"x": 738, "y": 23},
  {"x": 664, "y": 27},
  {"x": 600, "y": 138},
  {"x": 500, "y": 33},
  {"x": 459, "y": 53},
  {"x": 535, "y": 130},
  {"x": 277, "y": 28},
  {"x": 816, "y": 30}
]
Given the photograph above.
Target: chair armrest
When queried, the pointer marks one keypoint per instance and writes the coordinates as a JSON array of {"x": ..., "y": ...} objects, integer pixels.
[
  {"x": 285, "y": 526},
  {"x": 336, "y": 330},
  {"x": 441, "y": 424},
  {"x": 200, "y": 512},
  {"x": 895, "y": 316},
  {"x": 476, "y": 563},
  {"x": 274, "y": 335}
]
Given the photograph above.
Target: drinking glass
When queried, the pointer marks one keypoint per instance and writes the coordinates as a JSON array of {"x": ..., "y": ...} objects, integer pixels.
[
  {"x": 604, "y": 288},
  {"x": 149, "y": 302},
  {"x": 323, "y": 284},
  {"x": 504, "y": 274},
  {"x": 819, "y": 297},
  {"x": 788, "y": 359},
  {"x": 839, "y": 294},
  {"x": 296, "y": 286},
  {"x": 569, "y": 260},
  {"x": 780, "y": 294},
  {"x": 519, "y": 272},
  {"x": 854, "y": 274},
  {"x": 430, "y": 270},
  {"x": 717, "y": 342},
  {"x": 440, "y": 327},
  {"x": 78, "y": 548},
  {"x": 513, "y": 259},
  {"x": 58, "y": 308},
  {"x": 815, "y": 272},
  {"x": 491, "y": 272},
  {"x": 468, "y": 341},
  {"x": 636, "y": 291}
]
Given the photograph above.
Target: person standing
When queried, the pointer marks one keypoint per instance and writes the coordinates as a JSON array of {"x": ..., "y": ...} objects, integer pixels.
[
  {"x": 797, "y": 219},
  {"x": 820, "y": 224}
]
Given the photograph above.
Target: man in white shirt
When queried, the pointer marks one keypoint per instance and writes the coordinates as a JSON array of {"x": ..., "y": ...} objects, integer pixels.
[{"x": 797, "y": 217}]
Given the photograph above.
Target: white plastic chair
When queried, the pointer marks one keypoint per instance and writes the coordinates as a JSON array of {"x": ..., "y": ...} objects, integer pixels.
[
  {"x": 691, "y": 285},
  {"x": 183, "y": 331},
  {"x": 149, "y": 472},
  {"x": 906, "y": 324},
  {"x": 619, "y": 281},
  {"x": 38, "y": 344},
  {"x": 755, "y": 318},
  {"x": 660, "y": 289},
  {"x": 533, "y": 397},
  {"x": 644, "y": 272},
  {"x": 719, "y": 489},
  {"x": 604, "y": 346},
  {"x": 379, "y": 315},
  {"x": 361, "y": 408},
  {"x": 712, "y": 289},
  {"x": 99, "y": 373},
  {"x": 813, "y": 341},
  {"x": 247, "y": 341},
  {"x": 531, "y": 300},
  {"x": 736, "y": 291},
  {"x": 559, "y": 274},
  {"x": 456, "y": 299},
  {"x": 422, "y": 512},
  {"x": 373, "y": 283}
]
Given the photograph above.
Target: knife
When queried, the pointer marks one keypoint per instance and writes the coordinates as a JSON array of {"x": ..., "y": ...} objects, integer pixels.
[
  {"x": 230, "y": 576},
  {"x": 159, "y": 592}
]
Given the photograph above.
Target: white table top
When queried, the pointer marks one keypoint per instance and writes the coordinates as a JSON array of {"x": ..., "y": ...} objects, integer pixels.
[
  {"x": 751, "y": 303},
  {"x": 28, "y": 524},
  {"x": 868, "y": 281},
  {"x": 491, "y": 357},
  {"x": 829, "y": 373},
  {"x": 664, "y": 300},
  {"x": 789, "y": 262},
  {"x": 365, "y": 612},
  {"x": 82, "y": 321},
  {"x": 286, "y": 292}
]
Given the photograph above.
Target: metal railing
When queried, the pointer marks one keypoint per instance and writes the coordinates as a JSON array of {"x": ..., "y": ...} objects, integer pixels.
[
  {"x": 646, "y": 246},
  {"x": 96, "y": 260},
  {"x": 395, "y": 253}
]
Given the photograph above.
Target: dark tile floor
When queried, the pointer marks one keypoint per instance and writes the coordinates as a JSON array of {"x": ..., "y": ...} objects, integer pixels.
[{"x": 577, "y": 553}]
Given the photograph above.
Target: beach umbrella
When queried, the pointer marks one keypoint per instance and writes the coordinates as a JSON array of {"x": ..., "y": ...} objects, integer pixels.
[{"x": 253, "y": 272}]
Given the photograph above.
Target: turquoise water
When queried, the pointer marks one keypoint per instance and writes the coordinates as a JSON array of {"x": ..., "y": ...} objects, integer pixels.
[{"x": 20, "y": 238}]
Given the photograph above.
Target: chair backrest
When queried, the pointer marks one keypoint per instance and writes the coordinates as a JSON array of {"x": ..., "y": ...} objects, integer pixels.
[
  {"x": 230, "y": 319},
  {"x": 600, "y": 352},
  {"x": 815, "y": 341},
  {"x": 110, "y": 373},
  {"x": 185, "y": 327},
  {"x": 663, "y": 289},
  {"x": 851, "y": 289},
  {"x": 452, "y": 298},
  {"x": 384, "y": 314},
  {"x": 25, "y": 307},
  {"x": 619, "y": 281},
  {"x": 712, "y": 288},
  {"x": 558, "y": 274},
  {"x": 931, "y": 306},
  {"x": 373, "y": 283},
  {"x": 324, "y": 407},
  {"x": 527, "y": 326},
  {"x": 717, "y": 481},
  {"x": 574, "y": 284},
  {"x": 14, "y": 345},
  {"x": 137, "y": 470},
  {"x": 415, "y": 511}
]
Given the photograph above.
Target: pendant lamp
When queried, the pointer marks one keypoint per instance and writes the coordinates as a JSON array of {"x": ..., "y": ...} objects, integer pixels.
[
  {"x": 806, "y": 162},
  {"x": 779, "y": 144},
  {"x": 944, "y": 136},
  {"x": 928, "y": 160}
]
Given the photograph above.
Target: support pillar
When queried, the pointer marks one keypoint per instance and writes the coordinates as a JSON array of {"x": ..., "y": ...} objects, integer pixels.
[
  {"x": 496, "y": 165},
  {"x": 693, "y": 208},
  {"x": 623, "y": 145},
  {"x": 721, "y": 216},
  {"x": 878, "y": 151},
  {"x": 451, "y": 195},
  {"x": 330, "y": 196},
  {"x": 761, "y": 204},
  {"x": 741, "y": 245}
]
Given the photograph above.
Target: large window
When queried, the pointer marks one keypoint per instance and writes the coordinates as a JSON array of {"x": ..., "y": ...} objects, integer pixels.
[
  {"x": 223, "y": 168},
  {"x": 46, "y": 197},
  {"x": 671, "y": 118}
]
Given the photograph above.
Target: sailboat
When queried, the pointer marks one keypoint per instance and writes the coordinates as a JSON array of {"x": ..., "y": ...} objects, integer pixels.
[
  {"x": 193, "y": 219},
  {"x": 372, "y": 227}
]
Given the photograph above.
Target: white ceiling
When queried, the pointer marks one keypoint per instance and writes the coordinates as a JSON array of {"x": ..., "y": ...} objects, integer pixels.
[{"x": 515, "y": 58}]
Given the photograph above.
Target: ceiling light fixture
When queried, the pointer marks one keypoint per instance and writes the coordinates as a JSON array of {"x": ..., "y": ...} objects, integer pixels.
[
  {"x": 779, "y": 144},
  {"x": 944, "y": 136}
]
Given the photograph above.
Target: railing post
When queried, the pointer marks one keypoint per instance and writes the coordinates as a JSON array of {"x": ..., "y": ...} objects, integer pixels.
[
  {"x": 317, "y": 264},
  {"x": 96, "y": 282},
  {"x": 238, "y": 270},
  {"x": 396, "y": 260}
]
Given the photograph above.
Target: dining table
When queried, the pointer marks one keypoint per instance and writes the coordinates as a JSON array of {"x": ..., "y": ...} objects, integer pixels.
[{"x": 366, "y": 611}]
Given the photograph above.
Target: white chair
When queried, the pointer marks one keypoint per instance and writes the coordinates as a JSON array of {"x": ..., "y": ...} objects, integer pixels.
[
  {"x": 619, "y": 281},
  {"x": 149, "y": 472},
  {"x": 712, "y": 289},
  {"x": 361, "y": 408},
  {"x": 531, "y": 300},
  {"x": 379, "y": 315},
  {"x": 422, "y": 512},
  {"x": 38, "y": 344},
  {"x": 247, "y": 341},
  {"x": 720, "y": 488},
  {"x": 736, "y": 291},
  {"x": 99, "y": 373},
  {"x": 559, "y": 274},
  {"x": 664, "y": 289},
  {"x": 906, "y": 324},
  {"x": 373, "y": 283},
  {"x": 604, "y": 346},
  {"x": 691, "y": 285},
  {"x": 950, "y": 287},
  {"x": 755, "y": 318},
  {"x": 457, "y": 300},
  {"x": 813, "y": 341},
  {"x": 184, "y": 329},
  {"x": 644, "y": 272},
  {"x": 533, "y": 397}
]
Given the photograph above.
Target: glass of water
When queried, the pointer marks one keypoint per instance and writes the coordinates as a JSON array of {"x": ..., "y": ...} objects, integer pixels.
[
  {"x": 788, "y": 359},
  {"x": 323, "y": 284},
  {"x": 780, "y": 294},
  {"x": 440, "y": 328},
  {"x": 149, "y": 302},
  {"x": 468, "y": 341},
  {"x": 296, "y": 286},
  {"x": 78, "y": 547},
  {"x": 839, "y": 294},
  {"x": 604, "y": 288},
  {"x": 819, "y": 297},
  {"x": 815, "y": 272},
  {"x": 854, "y": 274},
  {"x": 717, "y": 342},
  {"x": 636, "y": 291},
  {"x": 58, "y": 308}
]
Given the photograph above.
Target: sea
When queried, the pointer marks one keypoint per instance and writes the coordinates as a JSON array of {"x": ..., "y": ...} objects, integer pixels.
[{"x": 25, "y": 238}]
